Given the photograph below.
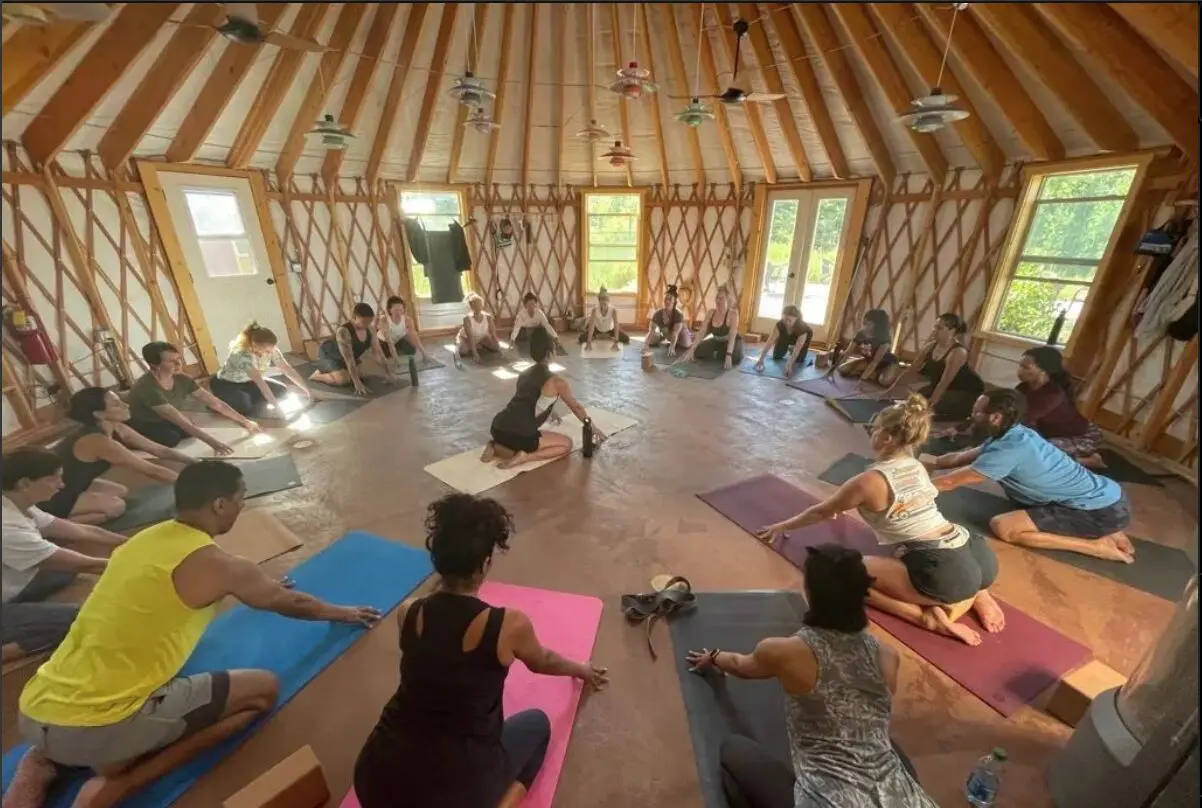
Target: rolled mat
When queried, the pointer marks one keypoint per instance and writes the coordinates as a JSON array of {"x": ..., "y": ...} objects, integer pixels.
[
  {"x": 566, "y": 624},
  {"x": 1159, "y": 570},
  {"x": 155, "y": 503},
  {"x": 1006, "y": 671},
  {"x": 359, "y": 569}
]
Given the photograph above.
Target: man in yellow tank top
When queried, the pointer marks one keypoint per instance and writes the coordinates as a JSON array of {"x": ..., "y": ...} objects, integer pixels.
[{"x": 110, "y": 698}]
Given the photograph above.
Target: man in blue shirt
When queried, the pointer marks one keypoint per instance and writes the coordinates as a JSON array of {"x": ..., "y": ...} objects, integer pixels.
[{"x": 1064, "y": 506}]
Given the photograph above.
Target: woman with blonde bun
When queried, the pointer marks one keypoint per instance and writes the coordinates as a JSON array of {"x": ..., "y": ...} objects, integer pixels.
[{"x": 936, "y": 564}]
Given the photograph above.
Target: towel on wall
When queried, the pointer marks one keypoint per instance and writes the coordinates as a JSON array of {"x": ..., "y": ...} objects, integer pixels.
[{"x": 1175, "y": 295}]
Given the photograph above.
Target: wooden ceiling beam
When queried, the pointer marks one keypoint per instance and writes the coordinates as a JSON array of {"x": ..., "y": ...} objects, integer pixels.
[
  {"x": 271, "y": 93},
  {"x": 559, "y": 21},
  {"x": 31, "y": 53},
  {"x": 998, "y": 81},
  {"x": 680, "y": 81},
  {"x": 1173, "y": 27},
  {"x": 479, "y": 19},
  {"x": 865, "y": 39},
  {"x": 826, "y": 44},
  {"x": 349, "y": 17},
  {"x": 788, "y": 33},
  {"x": 528, "y": 118},
  {"x": 356, "y": 94},
  {"x": 655, "y": 109},
  {"x": 400, "y": 73},
  {"x": 219, "y": 88},
  {"x": 915, "y": 43},
  {"x": 1134, "y": 65},
  {"x": 710, "y": 70},
  {"x": 181, "y": 55},
  {"x": 752, "y": 112},
  {"x": 590, "y": 70},
  {"x": 123, "y": 41},
  {"x": 438, "y": 67},
  {"x": 623, "y": 111},
  {"x": 494, "y": 138},
  {"x": 1022, "y": 31}
]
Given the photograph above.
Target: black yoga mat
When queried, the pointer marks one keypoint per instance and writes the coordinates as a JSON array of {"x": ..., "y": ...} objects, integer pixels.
[
  {"x": 333, "y": 409},
  {"x": 1158, "y": 570},
  {"x": 156, "y": 503},
  {"x": 376, "y": 385},
  {"x": 719, "y": 705},
  {"x": 859, "y": 410},
  {"x": 1122, "y": 470},
  {"x": 773, "y": 369}
]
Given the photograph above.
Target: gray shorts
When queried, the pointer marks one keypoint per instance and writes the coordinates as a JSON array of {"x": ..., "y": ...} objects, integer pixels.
[{"x": 180, "y": 708}]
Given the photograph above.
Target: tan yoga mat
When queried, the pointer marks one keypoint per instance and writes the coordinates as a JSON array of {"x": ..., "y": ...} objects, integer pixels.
[
  {"x": 245, "y": 445},
  {"x": 258, "y": 536}
]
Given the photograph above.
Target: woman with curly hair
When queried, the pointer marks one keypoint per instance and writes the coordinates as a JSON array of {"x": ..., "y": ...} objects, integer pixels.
[{"x": 442, "y": 740}]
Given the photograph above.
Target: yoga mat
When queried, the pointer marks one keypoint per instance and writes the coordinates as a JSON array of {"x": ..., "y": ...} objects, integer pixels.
[
  {"x": 772, "y": 368},
  {"x": 566, "y": 624},
  {"x": 719, "y": 706},
  {"x": 332, "y": 409},
  {"x": 834, "y": 386},
  {"x": 359, "y": 569},
  {"x": 859, "y": 410},
  {"x": 245, "y": 445},
  {"x": 1122, "y": 470},
  {"x": 154, "y": 503},
  {"x": 601, "y": 350},
  {"x": 700, "y": 369},
  {"x": 258, "y": 536},
  {"x": 1007, "y": 671},
  {"x": 377, "y": 386},
  {"x": 464, "y": 471},
  {"x": 490, "y": 359}
]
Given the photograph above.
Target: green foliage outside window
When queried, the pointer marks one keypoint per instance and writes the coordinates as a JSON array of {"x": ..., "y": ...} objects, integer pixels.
[{"x": 612, "y": 230}]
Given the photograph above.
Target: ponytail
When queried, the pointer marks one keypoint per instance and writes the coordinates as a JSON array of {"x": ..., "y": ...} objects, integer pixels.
[{"x": 255, "y": 334}]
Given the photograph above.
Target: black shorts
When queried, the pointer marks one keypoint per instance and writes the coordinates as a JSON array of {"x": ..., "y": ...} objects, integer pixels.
[
  {"x": 516, "y": 442},
  {"x": 329, "y": 358},
  {"x": 1065, "y": 521},
  {"x": 950, "y": 576}
]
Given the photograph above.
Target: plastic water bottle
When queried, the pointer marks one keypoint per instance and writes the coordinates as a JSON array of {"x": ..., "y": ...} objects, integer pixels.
[
  {"x": 981, "y": 789},
  {"x": 586, "y": 438},
  {"x": 413, "y": 371}
]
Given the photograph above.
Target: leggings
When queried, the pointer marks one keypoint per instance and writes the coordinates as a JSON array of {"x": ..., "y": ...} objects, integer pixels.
[
  {"x": 710, "y": 348},
  {"x": 525, "y": 737},
  {"x": 956, "y": 405},
  {"x": 753, "y": 778},
  {"x": 244, "y": 397},
  {"x": 163, "y": 433},
  {"x": 623, "y": 337},
  {"x": 1080, "y": 445},
  {"x": 33, "y": 624},
  {"x": 401, "y": 347},
  {"x": 781, "y": 350}
]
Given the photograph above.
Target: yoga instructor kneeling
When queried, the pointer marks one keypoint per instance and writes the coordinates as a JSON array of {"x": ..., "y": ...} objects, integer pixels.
[
  {"x": 111, "y": 699},
  {"x": 442, "y": 740}
]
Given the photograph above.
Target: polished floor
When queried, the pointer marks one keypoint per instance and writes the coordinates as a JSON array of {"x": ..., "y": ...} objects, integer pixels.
[{"x": 604, "y": 526}]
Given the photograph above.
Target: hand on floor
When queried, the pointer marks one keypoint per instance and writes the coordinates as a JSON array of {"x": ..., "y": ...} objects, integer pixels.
[
  {"x": 592, "y": 676},
  {"x": 770, "y": 534}
]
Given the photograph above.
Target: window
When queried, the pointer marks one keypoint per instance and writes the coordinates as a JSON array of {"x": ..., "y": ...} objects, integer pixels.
[
  {"x": 612, "y": 242},
  {"x": 436, "y": 211},
  {"x": 1068, "y": 229},
  {"x": 221, "y": 232}
]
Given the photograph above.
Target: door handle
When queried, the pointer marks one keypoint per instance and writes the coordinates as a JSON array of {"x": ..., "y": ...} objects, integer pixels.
[
  {"x": 271, "y": 281},
  {"x": 792, "y": 274}
]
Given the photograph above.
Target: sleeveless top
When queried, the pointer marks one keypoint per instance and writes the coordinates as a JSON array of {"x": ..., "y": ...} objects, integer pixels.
[
  {"x": 478, "y": 328},
  {"x": 131, "y": 636},
  {"x": 603, "y": 322},
  {"x": 520, "y": 416},
  {"x": 438, "y": 740},
  {"x": 718, "y": 331},
  {"x": 912, "y": 521},
  {"x": 966, "y": 378},
  {"x": 397, "y": 331},
  {"x": 667, "y": 320},
  {"x": 839, "y": 732},
  {"x": 77, "y": 474},
  {"x": 358, "y": 346},
  {"x": 786, "y": 337}
]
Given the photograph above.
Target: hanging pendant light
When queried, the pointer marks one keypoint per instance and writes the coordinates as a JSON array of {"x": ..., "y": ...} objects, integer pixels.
[
  {"x": 481, "y": 121},
  {"x": 594, "y": 132},
  {"x": 618, "y": 156},
  {"x": 468, "y": 90},
  {"x": 331, "y": 134},
  {"x": 695, "y": 114},
  {"x": 935, "y": 110},
  {"x": 633, "y": 81}
]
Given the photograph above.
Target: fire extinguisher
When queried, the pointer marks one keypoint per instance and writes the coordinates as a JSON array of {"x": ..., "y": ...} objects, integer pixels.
[{"x": 27, "y": 330}]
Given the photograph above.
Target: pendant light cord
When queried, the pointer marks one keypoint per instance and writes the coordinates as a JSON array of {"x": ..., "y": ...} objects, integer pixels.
[
  {"x": 697, "y": 69},
  {"x": 947, "y": 46}
]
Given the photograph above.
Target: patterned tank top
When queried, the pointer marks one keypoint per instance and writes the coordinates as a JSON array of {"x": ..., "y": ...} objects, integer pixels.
[{"x": 912, "y": 519}]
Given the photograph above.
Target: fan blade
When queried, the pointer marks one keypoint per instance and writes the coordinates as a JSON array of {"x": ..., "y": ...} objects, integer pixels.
[
  {"x": 691, "y": 97},
  {"x": 764, "y": 98},
  {"x": 294, "y": 43},
  {"x": 243, "y": 11},
  {"x": 79, "y": 12}
]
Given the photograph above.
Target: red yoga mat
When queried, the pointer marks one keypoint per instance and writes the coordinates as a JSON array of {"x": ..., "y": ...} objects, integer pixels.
[
  {"x": 1006, "y": 671},
  {"x": 568, "y": 624}
]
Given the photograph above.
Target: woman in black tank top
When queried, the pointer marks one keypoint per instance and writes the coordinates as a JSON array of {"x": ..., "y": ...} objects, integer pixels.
[
  {"x": 517, "y": 436},
  {"x": 720, "y": 338},
  {"x": 950, "y": 385},
  {"x": 789, "y": 342},
  {"x": 338, "y": 359},
  {"x": 442, "y": 740}
]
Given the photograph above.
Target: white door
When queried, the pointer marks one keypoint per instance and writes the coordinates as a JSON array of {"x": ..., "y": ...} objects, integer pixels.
[
  {"x": 218, "y": 230},
  {"x": 805, "y": 232}
]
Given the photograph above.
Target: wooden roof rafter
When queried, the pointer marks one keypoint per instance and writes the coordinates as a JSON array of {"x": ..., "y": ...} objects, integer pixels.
[
  {"x": 1173, "y": 27},
  {"x": 479, "y": 20},
  {"x": 559, "y": 26},
  {"x": 752, "y": 112},
  {"x": 528, "y": 116},
  {"x": 710, "y": 71},
  {"x": 681, "y": 85},
  {"x": 396, "y": 86},
  {"x": 654, "y": 108},
  {"x": 494, "y": 137},
  {"x": 31, "y": 53},
  {"x": 590, "y": 77},
  {"x": 623, "y": 111},
  {"x": 438, "y": 66}
]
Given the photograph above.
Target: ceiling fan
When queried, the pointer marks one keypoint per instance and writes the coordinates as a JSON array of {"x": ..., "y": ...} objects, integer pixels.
[
  {"x": 242, "y": 26},
  {"x": 333, "y": 135},
  {"x": 49, "y": 13},
  {"x": 734, "y": 95}
]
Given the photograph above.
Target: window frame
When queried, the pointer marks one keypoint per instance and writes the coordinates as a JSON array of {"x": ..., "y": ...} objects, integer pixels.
[
  {"x": 435, "y": 311},
  {"x": 640, "y": 243},
  {"x": 246, "y": 235}
]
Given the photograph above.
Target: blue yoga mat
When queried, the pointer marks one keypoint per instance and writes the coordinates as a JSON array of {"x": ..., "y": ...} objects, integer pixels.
[{"x": 358, "y": 570}]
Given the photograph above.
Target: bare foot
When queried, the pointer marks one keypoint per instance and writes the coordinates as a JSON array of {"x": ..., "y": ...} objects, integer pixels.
[
  {"x": 516, "y": 460},
  {"x": 936, "y": 620},
  {"x": 33, "y": 778},
  {"x": 490, "y": 452},
  {"x": 989, "y": 612},
  {"x": 97, "y": 792},
  {"x": 1093, "y": 461},
  {"x": 1115, "y": 547}
]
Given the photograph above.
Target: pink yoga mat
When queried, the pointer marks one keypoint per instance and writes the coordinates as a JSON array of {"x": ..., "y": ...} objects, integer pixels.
[
  {"x": 567, "y": 624},
  {"x": 1006, "y": 670}
]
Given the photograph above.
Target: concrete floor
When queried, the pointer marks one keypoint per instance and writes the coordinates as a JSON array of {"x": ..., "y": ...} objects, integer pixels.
[{"x": 605, "y": 526}]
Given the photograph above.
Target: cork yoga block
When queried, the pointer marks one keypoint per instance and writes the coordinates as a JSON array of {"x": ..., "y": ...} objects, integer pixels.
[{"x": 295, "y": 782}]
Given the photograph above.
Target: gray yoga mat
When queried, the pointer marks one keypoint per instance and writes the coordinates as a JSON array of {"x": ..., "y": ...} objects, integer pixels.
[
  {"x": 772, "y": 368},
  {"x": 859, "y": 410},
  {"x": 333, "y": 409},
  {"x": 1158, "y": 569},
  {"x": 376, "y": 386},
  {"x": 156, "y": 503}
]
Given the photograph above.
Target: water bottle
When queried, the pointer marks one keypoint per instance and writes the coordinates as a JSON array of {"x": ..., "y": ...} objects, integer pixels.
[
  {"x": 586, "y": 438},
  {"x": 413, "y": 371},
  {"x": 982, "y": 786}
]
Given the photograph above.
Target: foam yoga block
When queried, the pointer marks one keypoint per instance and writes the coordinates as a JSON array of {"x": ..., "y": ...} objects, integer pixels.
[{"x": 359, "y": 569}]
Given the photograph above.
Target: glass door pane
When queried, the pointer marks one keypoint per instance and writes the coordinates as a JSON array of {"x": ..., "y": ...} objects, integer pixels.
[
  {"x": 822, "y": 259},
  {"x": 778, "y": 257}
]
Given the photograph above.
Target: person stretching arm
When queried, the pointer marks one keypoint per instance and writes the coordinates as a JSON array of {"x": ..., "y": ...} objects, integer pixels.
[
  {"x": 850, "y": 495},
  {"x": 64, "y": 530}
]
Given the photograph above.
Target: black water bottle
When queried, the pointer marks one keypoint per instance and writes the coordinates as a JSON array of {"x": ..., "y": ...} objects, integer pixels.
[
  {"x": 1057, "y": 327},
  {"x": 587, "y": 438},
  {"x": 413, "y": 371}
]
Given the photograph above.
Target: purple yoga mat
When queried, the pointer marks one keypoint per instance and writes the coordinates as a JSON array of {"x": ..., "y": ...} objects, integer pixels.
[{"x": 1006, "y": 671}]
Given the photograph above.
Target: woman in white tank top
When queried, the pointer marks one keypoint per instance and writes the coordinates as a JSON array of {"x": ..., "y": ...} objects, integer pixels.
[
  {"x": 396, "y": 334},
  {"x": 478, "y": 332},
  {"x": 603, "y": 322},
  {"x": 936, "y": 564}
]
